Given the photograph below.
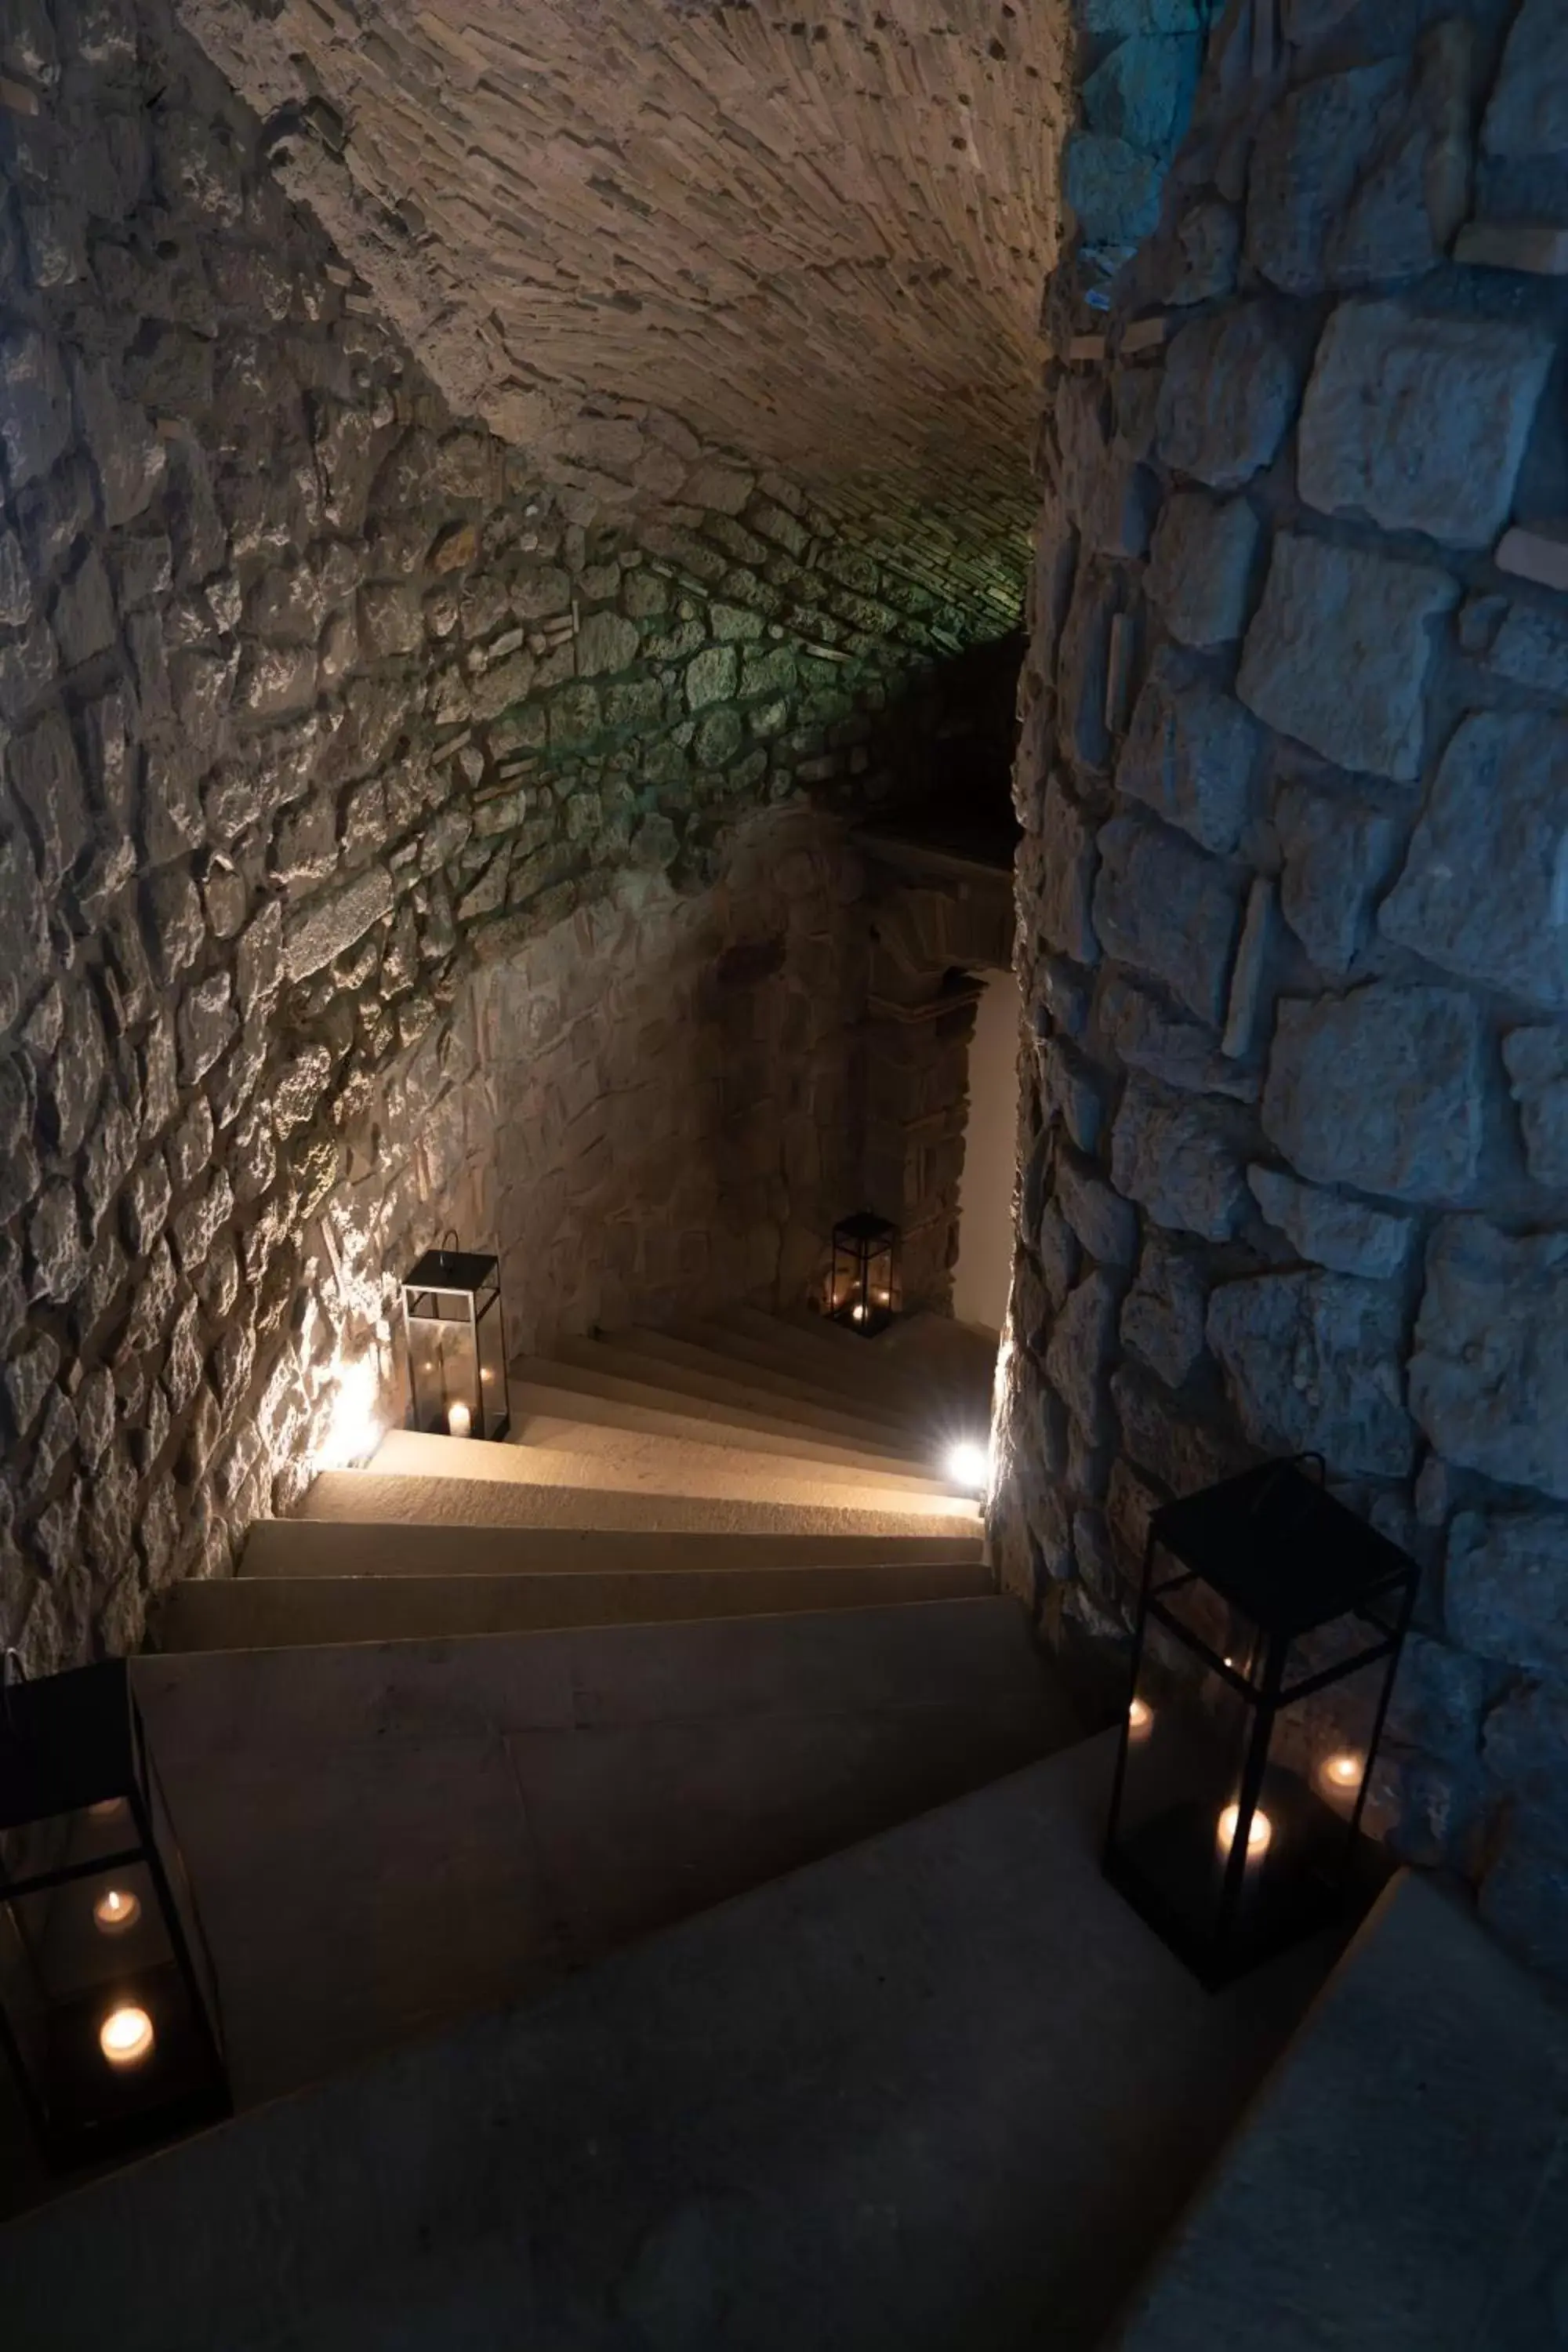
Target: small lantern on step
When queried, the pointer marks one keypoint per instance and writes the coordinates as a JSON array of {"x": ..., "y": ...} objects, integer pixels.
[
  {"x": 456, "y": 1344},
  {"x": 1270, "y": 1621},
  {"x": 864, "y": 1293},
  {"x": 108, "y": 2006}
]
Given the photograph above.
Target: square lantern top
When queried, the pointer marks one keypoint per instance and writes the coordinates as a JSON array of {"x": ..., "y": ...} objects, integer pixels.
[
  {"x": 68, "y": 1742},
  {"x": 1277, "y": 1545},
  {"x": 866, "y": 1231},
  {"x": 454, "y": 1270}
]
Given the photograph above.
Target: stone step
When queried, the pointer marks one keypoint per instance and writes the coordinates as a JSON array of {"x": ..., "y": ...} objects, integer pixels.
[
  {"x": 648, "y": 1466},
  {"x": 1400, "y": 2181},
  {"x": 300, "y": 1547},
  {"x": 292, "y": 1612},
  {"x": 717, "y": 1359},
  {"x": 702, "y": 1383},
  {"x": 575, "y": 1502},
  {"x": 941, "y": 2089},
  {"x": 544, "y": 1413},
  {"x": 932, "y": 1397}
]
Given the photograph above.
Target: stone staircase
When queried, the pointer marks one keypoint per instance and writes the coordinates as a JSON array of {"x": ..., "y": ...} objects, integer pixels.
[{"x": 653, "y": 1881}]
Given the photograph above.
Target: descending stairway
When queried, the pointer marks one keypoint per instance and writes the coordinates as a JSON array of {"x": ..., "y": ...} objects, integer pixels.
[{"x": 653, "y": 1881}]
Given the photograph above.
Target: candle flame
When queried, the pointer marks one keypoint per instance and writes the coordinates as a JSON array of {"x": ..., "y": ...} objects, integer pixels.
[
  {"x": 126, "y": 2036},
  {"x": 1259, "y": 1833}
]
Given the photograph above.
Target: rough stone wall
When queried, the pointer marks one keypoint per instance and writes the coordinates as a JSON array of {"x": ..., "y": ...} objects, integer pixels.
[
  {"x": 672, "y": 1082},
  {"x": 1295, "y": 781},
  {"x": 813, "y": 236},
  {"x": 310, "y": 698}
]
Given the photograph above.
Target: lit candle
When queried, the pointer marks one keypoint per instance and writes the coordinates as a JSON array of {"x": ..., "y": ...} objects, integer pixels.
[
  {"x": 459, "y": 1421},
  {"x": 1341, "y": 1774},
  {"x": 860, "y": 1314},
  {"x": 125, "y": 2037},
  {"x": 1140, "y": 1721},
  {"x": 1260, "y": 1834},
  {"x": 116, "y": 1911}
]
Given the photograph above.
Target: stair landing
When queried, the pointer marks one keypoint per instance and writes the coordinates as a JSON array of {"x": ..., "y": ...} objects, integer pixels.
[{"x": 942, "y": 2091}]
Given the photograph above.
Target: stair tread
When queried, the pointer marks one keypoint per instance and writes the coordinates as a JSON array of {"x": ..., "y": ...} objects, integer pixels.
[
  {"x": 942, "y": 2087},
  {"x": 925, "y": 1397},
  {"x": 480, "y": 1502},
  {"x": 1373, "y": 2197},
  {"x": 298, "y": 1548},
  {"x": 662, "y": 1355},
  {"x": 580, "y": 1378},
  {"x": 282, "y": 1612},
  {"x": 562, "y": 1420}
]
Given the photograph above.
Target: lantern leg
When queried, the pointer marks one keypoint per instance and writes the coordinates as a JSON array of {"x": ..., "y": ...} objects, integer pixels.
[
  {"x": 1139, "y": 1628},
  {"x": 1406, "y": 1610}
]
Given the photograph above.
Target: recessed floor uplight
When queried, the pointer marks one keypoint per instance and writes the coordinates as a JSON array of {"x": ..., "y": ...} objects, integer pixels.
[{"x": 969, "y": 1465}]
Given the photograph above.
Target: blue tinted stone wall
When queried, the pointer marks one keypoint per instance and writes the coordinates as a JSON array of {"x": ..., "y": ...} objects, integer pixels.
[{"x": 1293, "y": 895}]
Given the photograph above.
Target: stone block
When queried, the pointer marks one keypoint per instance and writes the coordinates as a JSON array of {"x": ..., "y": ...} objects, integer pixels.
[
  {"x": 35, "y": 406},
  {"x": 1082, "y": 1346},
  {"x": 1201, "y": 565},
  {"x": 1528, "y": 116},
  {"x": 1312, "y": 1364},
  {"x": 1106, "y": 1224},
  {"x": 1535, "y": 248},
  {"x": 1347, "y": 1236},
  {"x": 1143, "y": 91},
  {"x": 1246, "y": 983},
  {"x": 1065, "y": 870},
  {"x": 1113, "y": 190},
  {"x": 1178, "y": 1448},
  {"x": 1381, "y": 1089},
  {"x": 1232, "y": 382},
  {"x": 1070, "y": 1092},
  {"x": 1178, "y": 1162},
  {"x": 56, "y": 1247},
  {"x": 1481, "y": 892},
  {"x": 1209, "y": 247},
  {"x": 204, "y": 1024},
  {"x": 1526, "y": 644},
  {"x": 1338, "y": 854},
  {"x": 1362, "y": 621},
  {"x": 606, "y": 642},
  {"x": 1058, "y": 1247},
  {"x": 42, "y": 770},
  {"x": 1083, "y": 665},
  {"x": 1162, "y": 1316},
  {"x": 327, "y": 926},
  {"x": 1166, "y": 909},
  {"x": 1190, "y": 754},
  {"x": 1136, "y": 1027},
  {"x": 1420, "y": 423},
  {"x": 1505, "y": 1587},
  {"x": 1414, "y": 192},
  {"x": 1537, "y": 1063},
  {"x": 1306, "y": 161},
  {"x": 1537, "y": 555},
  {"x": 1488, "y": 1377},
  {"x": 712, "y": 677}
]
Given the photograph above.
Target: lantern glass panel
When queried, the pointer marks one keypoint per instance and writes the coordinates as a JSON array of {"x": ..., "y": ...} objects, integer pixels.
[
  {"x": 492, "y": 1336},
  {"x": 1270, "y": 1627},
  {"x": 108, "y": 2006},
  {"x": 865, "y": 1290},
  {"x": 456, "y": 1344}
]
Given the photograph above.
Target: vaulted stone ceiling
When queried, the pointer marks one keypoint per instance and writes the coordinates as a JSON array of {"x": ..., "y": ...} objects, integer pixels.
[{"x": 814, "y": 239}]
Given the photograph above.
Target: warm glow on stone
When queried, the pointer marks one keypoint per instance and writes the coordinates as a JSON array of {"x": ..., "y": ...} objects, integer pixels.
[
  {"x": 116, "y": 1911},
  {"x": 1140, "y": 1720},
  {"x": 126, "y": 2036}
]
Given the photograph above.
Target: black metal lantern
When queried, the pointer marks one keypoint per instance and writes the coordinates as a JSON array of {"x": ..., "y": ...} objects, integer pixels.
[
  {"x": 108, "y": 2005},
  {"x": 456, "y": 1344},
  {"x": 1269, "y": 1626},
  {"x": 864, "y": 1293}
]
